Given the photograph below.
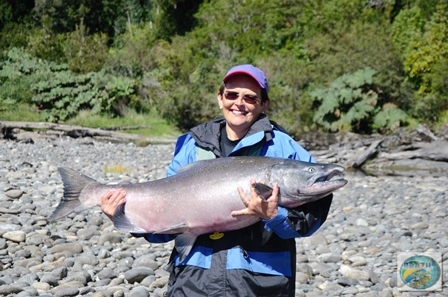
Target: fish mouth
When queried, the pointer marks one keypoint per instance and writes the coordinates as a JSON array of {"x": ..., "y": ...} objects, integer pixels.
[
  {"x": 334, "y": 174},
  {"x": 325, "y": 183}
]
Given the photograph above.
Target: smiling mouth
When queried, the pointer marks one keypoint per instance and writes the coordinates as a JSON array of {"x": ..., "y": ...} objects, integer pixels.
[{"x": 239, "y": 112}]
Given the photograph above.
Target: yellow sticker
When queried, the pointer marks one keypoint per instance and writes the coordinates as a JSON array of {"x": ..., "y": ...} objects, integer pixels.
[{"x": 216, "y": 235}]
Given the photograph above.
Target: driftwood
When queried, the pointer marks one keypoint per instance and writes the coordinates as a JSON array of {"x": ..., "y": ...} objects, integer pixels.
[
  {"x": 435, "y": 151},
  {"x": 404, "y": 149},
  {"x": 126, "y": 128},
  {"x": 371, "y": 150},
  {"x": 20, "y": 131}
]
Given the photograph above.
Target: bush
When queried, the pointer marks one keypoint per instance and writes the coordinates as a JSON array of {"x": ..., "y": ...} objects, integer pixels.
[
  {"x": 353, "y": 103},
  {"x": 18, "y": 71},
  {"x": 85, "y": 53},
  {"x": 66, "y": 94},
  {"x": 59, "y": 92}
]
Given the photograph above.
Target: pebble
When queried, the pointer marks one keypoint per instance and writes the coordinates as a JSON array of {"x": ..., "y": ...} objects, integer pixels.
[{"x": 372, "y": 219}]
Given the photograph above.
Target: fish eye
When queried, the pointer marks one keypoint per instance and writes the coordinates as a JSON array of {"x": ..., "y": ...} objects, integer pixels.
[{"x": 311, "y": 169}]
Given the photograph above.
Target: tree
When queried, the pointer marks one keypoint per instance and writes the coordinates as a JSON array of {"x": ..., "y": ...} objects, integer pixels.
[{"x": 425, "y": 56}]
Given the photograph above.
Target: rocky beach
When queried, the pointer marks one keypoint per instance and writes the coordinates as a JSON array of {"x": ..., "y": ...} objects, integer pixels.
[{"x": 373, "y": 220}]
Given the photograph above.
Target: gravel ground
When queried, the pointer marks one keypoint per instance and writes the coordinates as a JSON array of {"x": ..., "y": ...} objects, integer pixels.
[{"x": 372, "y": 221}]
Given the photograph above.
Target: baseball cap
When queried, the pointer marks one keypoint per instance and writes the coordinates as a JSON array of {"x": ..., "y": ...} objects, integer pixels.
[{"x": 250, "y": 70}]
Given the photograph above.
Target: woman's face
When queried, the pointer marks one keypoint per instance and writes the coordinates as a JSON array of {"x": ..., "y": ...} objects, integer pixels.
[{"x": 241, "y": 105}]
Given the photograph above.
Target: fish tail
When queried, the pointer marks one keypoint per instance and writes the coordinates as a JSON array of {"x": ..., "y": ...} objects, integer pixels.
[{"x": 74, "y": 182}]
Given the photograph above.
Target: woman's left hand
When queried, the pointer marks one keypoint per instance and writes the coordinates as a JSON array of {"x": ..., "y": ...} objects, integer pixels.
[{"x": 257, "y": 206}]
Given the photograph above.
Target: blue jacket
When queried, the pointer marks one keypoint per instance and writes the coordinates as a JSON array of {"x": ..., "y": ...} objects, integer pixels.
[{"x": 236, "y": 263}]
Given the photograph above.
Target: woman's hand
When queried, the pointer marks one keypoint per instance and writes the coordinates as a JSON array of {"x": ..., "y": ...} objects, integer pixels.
[
  {"x": 257, "y": 206},
  {"x": 111, "y": 200}
]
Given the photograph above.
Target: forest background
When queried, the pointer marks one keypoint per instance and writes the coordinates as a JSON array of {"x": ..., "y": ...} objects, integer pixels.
[{"x": 364, "y": 66}]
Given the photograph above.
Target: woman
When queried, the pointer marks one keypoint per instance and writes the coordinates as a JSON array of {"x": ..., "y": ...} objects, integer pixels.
[{"x": 240, "y": 263}]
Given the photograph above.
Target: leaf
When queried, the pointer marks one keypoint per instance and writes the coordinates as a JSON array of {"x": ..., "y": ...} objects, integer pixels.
[
  {"x": 361, "y": 77},
  {"x": 389, "y": 118}
]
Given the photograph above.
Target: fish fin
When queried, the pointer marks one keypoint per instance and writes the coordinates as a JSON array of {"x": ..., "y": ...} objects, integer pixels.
[
  {"x": 122, "y": 223},
  {"x": 193, "y": 165},
  {"x": 184, "y": 243},
  {"x": 185, "y": 168},
  {"x": 176, "y": 229},
  {"x": 74, "y": 182},
  {"x": 262, "y": 190},
  {"x": 266, "y": 235}
]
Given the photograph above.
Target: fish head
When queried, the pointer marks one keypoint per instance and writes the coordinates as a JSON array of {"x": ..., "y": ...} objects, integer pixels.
[{"x": 303, "y": 182}]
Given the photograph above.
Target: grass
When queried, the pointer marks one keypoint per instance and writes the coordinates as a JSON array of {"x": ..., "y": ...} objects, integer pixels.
[
  {"x": 443, "y": 120},
  {"x": 21, "y": 112},
  {"x": 117, "y": 168},
  {"x": 154, "y": 125}
]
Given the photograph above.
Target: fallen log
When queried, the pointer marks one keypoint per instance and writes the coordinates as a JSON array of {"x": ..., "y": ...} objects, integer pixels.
[
  {"x": 7, "y": 129},
  {"x": 434, "y": 151},
  {"x": 370, "y": 151}
]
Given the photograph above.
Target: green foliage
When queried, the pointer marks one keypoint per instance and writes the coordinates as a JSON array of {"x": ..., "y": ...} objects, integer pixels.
[
  {"x": 6, "y": 12},
  {"x": 152, "y": 124},
  {"x": 18, "y": 71},
  {"x": 172, "y": 17},
  {"x": 407, "y": 28},
  {"x": 45, "y": 44},
  {"x": 59, "y": 92},
  {"x": 62, "y": 17},
  {"x": 13, "y": 111},
  {"x": 169, "y": 56},
  {"x": 288, "y": 78},
  {"x": 13, "y": 12},
  {"x": 425, "y": 64},
  {"x": 182, "y": 99},
  {"x": 65, "y": 94},
  {"x": 389, "y": 118},
  {"x": 135, "y": 52},
  {"x": 432, "y": 47},
  {"x": 85, "y": 53},
  {"x": 255, "y": 28},
  {"x": 353, "y": 103},
  {"x": 14, "y": 35}
]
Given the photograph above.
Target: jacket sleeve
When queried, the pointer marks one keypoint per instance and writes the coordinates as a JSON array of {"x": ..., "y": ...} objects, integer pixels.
[
  {"x": 306, "y": 219},
  {"x": 184, "y": 154},
  {"x": 301, "y": 221}
]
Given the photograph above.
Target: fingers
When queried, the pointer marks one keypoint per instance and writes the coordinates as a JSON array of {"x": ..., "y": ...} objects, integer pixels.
[
  {"x": 274, "y": 195},
  {"x": 111, "y": 200},
  {"x": 256, "y": 205},
  {"x": 243, "y": 196},
  {"x": 241, "y": 212}
]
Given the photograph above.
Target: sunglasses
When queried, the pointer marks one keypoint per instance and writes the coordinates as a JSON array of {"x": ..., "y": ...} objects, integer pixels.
[{"x": 247, "y": 98}]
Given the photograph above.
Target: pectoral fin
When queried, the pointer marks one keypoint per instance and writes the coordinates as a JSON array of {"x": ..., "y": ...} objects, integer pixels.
[
  {"x": 175, "y": 229},
  {"x": 122, "y": 223},
  {"x": 184, "y": 243},
  {"x": 266, "y": 236},
  {"x": 262, "y": 190}
]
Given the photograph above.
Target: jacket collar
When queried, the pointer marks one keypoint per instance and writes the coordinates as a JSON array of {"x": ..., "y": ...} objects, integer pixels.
[{"x": 207, "y": 134}]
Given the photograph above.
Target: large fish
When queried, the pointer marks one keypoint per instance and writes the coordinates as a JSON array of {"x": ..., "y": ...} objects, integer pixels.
[{"x": 199, "y": 199}]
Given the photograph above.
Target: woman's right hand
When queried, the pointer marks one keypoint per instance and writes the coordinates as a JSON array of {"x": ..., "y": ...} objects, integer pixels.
[{"x": 111, "y": 200}]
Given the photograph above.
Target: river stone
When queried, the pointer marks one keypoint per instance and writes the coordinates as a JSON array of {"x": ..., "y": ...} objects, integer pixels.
[
  {"x": 16, "y": 236},
  {"x": 14, "y": 193}
]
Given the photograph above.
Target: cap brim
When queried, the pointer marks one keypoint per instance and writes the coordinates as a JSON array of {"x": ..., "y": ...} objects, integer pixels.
[{"x": 237, "y": 72}]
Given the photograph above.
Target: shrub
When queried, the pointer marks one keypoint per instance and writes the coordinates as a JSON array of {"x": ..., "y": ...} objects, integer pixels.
[
  {"x": 66, "y": 94},
  {"x": 85, "y": 53},
  {"x": 59, "y": 92},
  {"x": 18, "y": 71},
  {"x": 353, "y": 103}
]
